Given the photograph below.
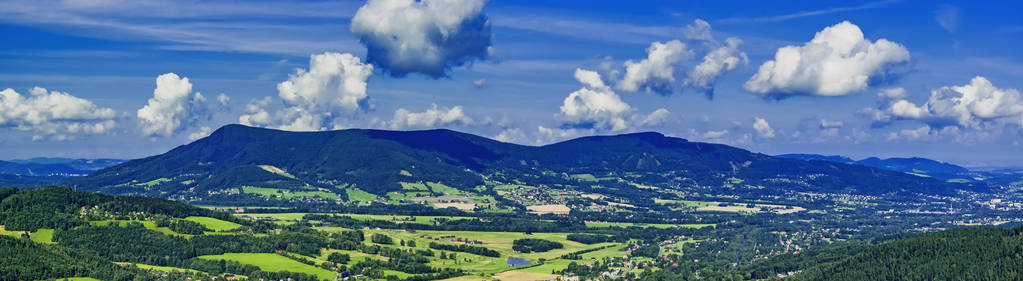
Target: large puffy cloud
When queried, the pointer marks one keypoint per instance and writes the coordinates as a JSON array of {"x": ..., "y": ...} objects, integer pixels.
[
  {"x": 723, "y": 58},
  {"x": 656, "y": 72},
  {"x": 53, "y": 114},
  {"x": 976, "y": 105},
  {"x": 318, "y": 98},
  {"x": 172, "y": 108},
  {"x": 594, "y": 105},
  {"x": 666, "y": 63},
  {"x": 838, "y": 61},
  {"x": 428, "y": 36},
  {"x": 431, "y": 118}
]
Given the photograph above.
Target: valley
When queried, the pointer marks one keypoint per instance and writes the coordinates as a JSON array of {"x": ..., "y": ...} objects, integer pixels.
[{"x": 628, "y": 207}]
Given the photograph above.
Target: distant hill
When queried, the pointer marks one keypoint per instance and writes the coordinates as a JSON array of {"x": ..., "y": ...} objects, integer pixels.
[
  {"x": 235, "y": 157},
  {"x": 55, "y": 166},
  {"x": 818, "y": 157},
  {"x": 36, "y": 169},
  {"x": 914, "y": 165},
  {"x": 75, "y": 163}
]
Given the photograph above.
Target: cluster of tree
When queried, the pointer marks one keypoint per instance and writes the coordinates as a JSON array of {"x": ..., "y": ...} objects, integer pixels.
[
  {"x": 63, "y": 208},
  {"x": 338, "y": 258},
  {"x": 482, "y": 251},
  {"x": 649, "y": 250},
  {"x": 22, "y": 259},
  {"x": 187, "y": 227},
  {"x": 579, "y": 254},
  {"x": 960, "y": 254},
  {"x": 381, "y": 239},
  {"x": 528, "y": 245},
  {"x": 587, "y": 238},
  {"x": 134, "y": 243}
]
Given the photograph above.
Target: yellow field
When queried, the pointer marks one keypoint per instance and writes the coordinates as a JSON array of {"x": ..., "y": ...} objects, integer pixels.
[
  {"x": 523, "y": 276},
  {"x": 549, "y": 209}
]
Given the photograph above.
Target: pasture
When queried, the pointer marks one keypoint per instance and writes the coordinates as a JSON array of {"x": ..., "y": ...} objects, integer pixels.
[
  {"x": 214, "y": 224},
  {"x": 41, "y": 236},
  {"x": 657, "y": 225},
  {"x": 273, "y": 263}
]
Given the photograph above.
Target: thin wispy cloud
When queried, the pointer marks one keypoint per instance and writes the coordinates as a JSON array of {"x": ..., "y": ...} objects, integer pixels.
[
  {"x": 262, "y": 27},
  {"x": 585, "y": 28},
  {"x": 803, "y": 14}
]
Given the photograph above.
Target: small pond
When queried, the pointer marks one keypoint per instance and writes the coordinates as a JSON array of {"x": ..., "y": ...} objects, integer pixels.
[{"x": 514, "y": 262}]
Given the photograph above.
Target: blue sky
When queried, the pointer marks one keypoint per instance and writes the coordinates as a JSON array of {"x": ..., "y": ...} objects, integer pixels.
[{"x": 529, "y": 72}]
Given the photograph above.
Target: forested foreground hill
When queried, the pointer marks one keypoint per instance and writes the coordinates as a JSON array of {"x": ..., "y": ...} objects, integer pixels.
[
  {"x": 958, "y": 254},
  {"x": 54, "y": 232}
]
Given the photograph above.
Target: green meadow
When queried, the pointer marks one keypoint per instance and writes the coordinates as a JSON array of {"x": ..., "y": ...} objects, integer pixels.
[
  {"x": 214, "y": 224},
  {"x": 273, "y": 263}
]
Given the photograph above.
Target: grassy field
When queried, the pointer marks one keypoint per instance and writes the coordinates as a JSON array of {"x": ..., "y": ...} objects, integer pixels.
[
  {"x": 287, "y": 194},
  {"x": 214, "y": 224},
  {"x": 395, "y": 197},
  {"x": 418, "y": 219},
  {"x": 414, "y": 186},
  {"x": 79, "y": 279},
  {"x": 42, "y": 235},
  {"x": 6, "y": 232},
  {"x": 657, "y": 225},
  {"x": 359, "y": 195},
  {"x": 443, "y": 189},
  {"x": 147, "y": 224},
  {"x": 154, "y": 182},
  {"x": 273, "y": 263},
  {"x": 167, "y": 269}
]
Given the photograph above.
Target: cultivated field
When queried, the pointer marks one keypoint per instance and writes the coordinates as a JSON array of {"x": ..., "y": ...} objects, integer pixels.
[{"x": 549, "y": 209}]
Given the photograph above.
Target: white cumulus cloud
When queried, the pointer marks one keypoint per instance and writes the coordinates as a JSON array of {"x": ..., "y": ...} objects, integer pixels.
[
  {"x": 201, "y": 133},
  {"x": 172, "y": 108},
  {"x": 318, "y": 98},
  {"x": 655, "y": 118},
  {"x": 656, "y": 73},
  {"x": 53, "y": 114},
  {"x": 763, "y": 128},
  {"x": 976, "y": 105},
  {"x": 427, "y": 36},
  {"x": 723, "y": 58},
  {"x": 594, "y": 105},
  {"x": 512, "y": 135},
  {"x": 838, "y": 61},
  {"x": 431, "y": 118}
]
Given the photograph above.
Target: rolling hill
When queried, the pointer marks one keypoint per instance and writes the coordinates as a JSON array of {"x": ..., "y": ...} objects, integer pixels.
[
  {"x": 235, "y": 159},
  {"x": 913, "y": 165}
]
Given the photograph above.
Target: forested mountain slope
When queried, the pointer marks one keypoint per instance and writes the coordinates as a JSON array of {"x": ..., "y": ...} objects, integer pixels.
[{"x": 378, "y": 162}]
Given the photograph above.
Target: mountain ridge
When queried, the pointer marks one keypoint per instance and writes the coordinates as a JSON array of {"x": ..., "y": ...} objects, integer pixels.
[
  {"x": 914, "y": 165},
  {"x": 379, "y": 161}
]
